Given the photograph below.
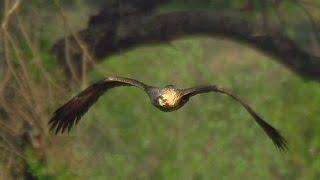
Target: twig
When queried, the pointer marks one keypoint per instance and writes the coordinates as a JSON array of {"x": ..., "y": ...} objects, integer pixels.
[
  {"x": 87, "y": 54},
  {"x": 310, "y": 18},
  {"x": 65, "y": 21},
  {"x": 13, "y": 112},
  {"x": 279, "y": 15},
  {"x": 7, "y": 128},
  {"x": 4, "y": 82},
  {"x": 10, "y": 13},
  {"x": 13, "y": 151},
  {"x": 35, "y": 52}
]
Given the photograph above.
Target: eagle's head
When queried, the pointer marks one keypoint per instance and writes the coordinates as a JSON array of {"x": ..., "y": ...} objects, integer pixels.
[{"x": 170, "y": 98}]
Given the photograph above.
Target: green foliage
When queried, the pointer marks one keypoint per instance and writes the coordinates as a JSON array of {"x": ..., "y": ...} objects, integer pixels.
[
  {"x": 40, "y": 169},
  {"x": 201, "y": 4},
  {"x": 36, "y": 168},
  {"x": 38, "y": 60},
  {"x": 47, "y": 58}
]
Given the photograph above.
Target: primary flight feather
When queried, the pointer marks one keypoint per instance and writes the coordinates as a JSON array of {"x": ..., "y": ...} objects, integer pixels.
[{"x": 168, "y": 98}]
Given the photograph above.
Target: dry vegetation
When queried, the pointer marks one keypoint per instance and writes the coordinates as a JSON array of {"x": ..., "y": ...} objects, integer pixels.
[{"x": 28, "y": 89}]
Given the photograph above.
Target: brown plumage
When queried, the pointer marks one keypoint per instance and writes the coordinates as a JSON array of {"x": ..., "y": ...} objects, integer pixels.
[{"x": 168, "y": 98}]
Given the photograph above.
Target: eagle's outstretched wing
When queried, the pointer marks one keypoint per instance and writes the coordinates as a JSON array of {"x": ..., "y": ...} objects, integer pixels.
[
  {"x": 273, "y": 133},
  {"x": 70, "y": 113}
]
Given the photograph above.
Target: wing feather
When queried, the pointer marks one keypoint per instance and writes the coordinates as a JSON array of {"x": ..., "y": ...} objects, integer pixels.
[
  {"x": 273, "y": 133},
  {"x": 70, "y": 113}
]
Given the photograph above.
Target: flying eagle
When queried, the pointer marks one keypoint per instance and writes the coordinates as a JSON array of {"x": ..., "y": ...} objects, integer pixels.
[{"x": 168, "y": 98}]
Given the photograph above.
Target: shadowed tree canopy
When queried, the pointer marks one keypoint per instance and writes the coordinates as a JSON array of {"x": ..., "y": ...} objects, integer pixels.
[{"x": 126, "y": 24}]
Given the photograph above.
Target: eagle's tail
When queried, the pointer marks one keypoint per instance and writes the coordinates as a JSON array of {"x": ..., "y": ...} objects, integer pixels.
[{"x": 70, "y": 113}]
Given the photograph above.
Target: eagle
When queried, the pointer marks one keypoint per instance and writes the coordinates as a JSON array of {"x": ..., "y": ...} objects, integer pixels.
[{"x": 168, "y": 98}]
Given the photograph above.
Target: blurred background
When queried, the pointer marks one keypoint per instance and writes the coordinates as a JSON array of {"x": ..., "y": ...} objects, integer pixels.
[{"x": 123, "y": 136}]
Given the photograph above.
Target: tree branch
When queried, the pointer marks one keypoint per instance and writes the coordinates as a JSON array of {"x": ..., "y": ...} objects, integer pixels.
[{"x": 108, "y": 37}]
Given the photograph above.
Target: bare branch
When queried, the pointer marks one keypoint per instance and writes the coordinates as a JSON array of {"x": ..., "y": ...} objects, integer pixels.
[
  {"x": 12, "y": 151},
  {"x": 10, "y": 13},
  {"x": 105, "y": 39},
  {"x": 310, "y": 18}
]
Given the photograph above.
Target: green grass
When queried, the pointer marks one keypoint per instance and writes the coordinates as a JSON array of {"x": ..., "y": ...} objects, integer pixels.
[{"x": 123, "y": 136}]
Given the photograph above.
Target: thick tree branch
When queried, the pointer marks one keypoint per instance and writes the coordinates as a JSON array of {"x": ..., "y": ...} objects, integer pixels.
[{"x": 108, "y": 37}]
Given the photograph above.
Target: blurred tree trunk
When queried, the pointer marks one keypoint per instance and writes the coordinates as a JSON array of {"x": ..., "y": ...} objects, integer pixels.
[{"x": 116, "y": 28}]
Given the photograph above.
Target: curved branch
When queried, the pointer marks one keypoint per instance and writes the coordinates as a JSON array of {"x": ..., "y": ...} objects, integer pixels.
[{"x": 108, "y": 37}]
